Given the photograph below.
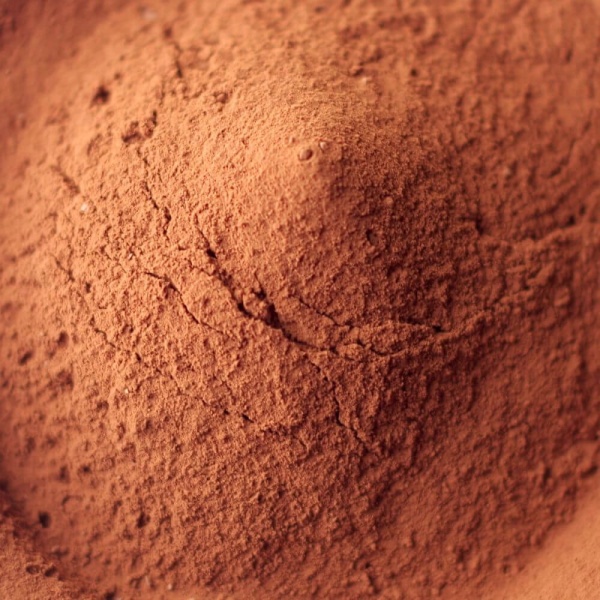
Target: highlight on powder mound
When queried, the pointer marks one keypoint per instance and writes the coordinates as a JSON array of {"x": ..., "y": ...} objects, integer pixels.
[{"x": 299, "y": 299}]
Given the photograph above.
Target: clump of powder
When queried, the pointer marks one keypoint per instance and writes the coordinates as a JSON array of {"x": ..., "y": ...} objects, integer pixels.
[{"x": 297, "y": 299}]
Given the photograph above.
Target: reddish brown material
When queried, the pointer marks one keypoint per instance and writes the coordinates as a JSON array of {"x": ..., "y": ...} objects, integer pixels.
[{"x": 297, "y": 299}]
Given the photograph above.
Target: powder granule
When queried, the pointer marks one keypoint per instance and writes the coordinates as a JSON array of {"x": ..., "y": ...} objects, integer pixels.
[{"x": 298, "y": 299}]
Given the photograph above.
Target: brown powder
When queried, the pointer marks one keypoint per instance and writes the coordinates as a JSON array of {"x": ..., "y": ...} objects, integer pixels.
[{"x": 297, "y": 299}]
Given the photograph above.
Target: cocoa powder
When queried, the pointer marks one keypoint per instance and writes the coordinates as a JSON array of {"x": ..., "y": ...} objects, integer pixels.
[{"x": 297, "y": 299}]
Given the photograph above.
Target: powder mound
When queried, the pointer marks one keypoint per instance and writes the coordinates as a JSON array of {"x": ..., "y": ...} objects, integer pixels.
[{"x": 297, "y": 299}]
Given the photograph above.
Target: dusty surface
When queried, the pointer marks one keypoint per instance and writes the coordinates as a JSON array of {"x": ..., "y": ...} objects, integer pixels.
[
  {"x": 567, "y": 567},
  {"x": 25, "y": 573},
  {"x": 297, "y": 299}
]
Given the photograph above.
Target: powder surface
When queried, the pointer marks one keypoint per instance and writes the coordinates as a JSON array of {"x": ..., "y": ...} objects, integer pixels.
[
  {"x": 297, "y": 299},
  {"x": 568, "y": 567}
]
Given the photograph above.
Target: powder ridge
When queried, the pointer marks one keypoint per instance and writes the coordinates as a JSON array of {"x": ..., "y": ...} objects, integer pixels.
[{"x": 297, "y": 299}]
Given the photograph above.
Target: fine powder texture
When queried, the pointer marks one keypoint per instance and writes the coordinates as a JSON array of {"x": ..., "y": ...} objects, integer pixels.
[{"x": 297, "y": 299}]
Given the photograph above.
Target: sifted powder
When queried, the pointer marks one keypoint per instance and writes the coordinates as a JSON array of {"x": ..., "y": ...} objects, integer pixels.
[{"x": 296, "y": 299}]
